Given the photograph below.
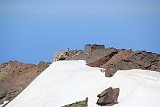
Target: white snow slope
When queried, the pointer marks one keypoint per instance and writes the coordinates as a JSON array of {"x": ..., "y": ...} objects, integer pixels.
[{"x": 65, "y": 82}]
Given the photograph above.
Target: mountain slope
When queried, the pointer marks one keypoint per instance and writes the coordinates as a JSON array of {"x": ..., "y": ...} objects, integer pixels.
[
  {"x": 65, "y": 82},
  {"x": 16, "y": 76}
]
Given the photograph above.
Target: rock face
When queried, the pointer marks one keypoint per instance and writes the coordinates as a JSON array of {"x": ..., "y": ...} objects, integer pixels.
[
  {"x": 60, "y": 55},
  {"x": 96, "y": 57},
  {"x": 108, "y": 97},
  {"x": 89, "y": 47},
  {"x": 78, "y": 104},
  {"x": 122, "y": 54},
  {"x": 103, "y": 60},
  {"x": 136, "y": 60},
  {"x": 16, "y": 76},
  {"x": 112, "y": 59}
]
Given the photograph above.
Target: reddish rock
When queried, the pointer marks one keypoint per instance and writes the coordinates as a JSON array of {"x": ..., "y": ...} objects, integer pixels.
[
  {"x": 16, "y": 77},
  {"x": 137, "y": 60},
  {"x": 102, "y": 61}
]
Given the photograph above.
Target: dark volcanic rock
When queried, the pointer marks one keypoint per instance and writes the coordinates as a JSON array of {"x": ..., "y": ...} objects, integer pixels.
[{"x": 108, "y": 97}]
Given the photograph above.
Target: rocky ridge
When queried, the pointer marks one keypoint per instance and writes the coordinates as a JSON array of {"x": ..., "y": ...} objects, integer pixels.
[
  {"x": 16, "y": 76},
  {"x": 113, "y": 59}
]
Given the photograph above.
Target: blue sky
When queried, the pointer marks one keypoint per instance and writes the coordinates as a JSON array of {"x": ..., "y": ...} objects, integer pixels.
[{"x": 33, "y": 30}]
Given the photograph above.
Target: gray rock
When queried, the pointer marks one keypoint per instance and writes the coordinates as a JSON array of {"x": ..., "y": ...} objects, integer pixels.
[
  {"x": 108, "y": 97},
  {"x": 3, "y": 94},
  {"x": 78, "y": 104}
]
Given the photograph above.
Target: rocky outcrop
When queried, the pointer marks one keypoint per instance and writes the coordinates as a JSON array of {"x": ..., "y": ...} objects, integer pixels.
[
  {"x": 136, "y": 60},
  {"x": 102, "y": 60},
  {"x": 113, "y": 59},
  {"x": 121, "y": 65},
  {"x": 89, "y": 47},
  {"x": 16, "y": 76},
  {"x": 78, "y": 104},
  {"x": 122, "y": 54},
  {"x": 94, "y": 58},
  {"x": 65, "y": 55},
  {"x": 108, "y": 97},
  {"x": 60, "y": 55},
  {"x": 145, "y": 60}
]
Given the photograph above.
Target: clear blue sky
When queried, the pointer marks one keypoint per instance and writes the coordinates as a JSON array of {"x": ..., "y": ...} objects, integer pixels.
[{"x": 32, "y": 30}]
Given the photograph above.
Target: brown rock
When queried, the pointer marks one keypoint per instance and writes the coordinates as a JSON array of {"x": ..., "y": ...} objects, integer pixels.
[
  {"x": 122, "y": 54},
  {"x": 137, "y": 60},
  {"x": 102, "y": 61},
  {"x": 108, "y": 97},
  {"x": 115, "y": 59},
  {"x": 16, "y": 76},
  {"x": 78, "y": 104},
  {"x": 42, "y": 66},
  {"x": 3, "y": 94}
]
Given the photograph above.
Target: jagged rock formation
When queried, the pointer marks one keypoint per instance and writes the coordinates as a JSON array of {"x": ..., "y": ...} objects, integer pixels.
[
  {"x": 89, "y": 48},
  {"x": 122, "y": 54},
  {"x": 78, "y": 104},
  {"x": 136, "y": 60},
  {"x": 62, "y": 55},
  {"x": 95, "y": 57},
  {"x": 91, "y": 53},
  {"x": 97, "y": 62},
  {"x": 116, "y": 59},
  {"x": 16, "y": 76},
  {"x": 108, "y": 97}
]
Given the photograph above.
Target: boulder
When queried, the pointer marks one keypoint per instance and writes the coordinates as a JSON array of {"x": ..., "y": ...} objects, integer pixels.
[
  {"x": 78, "y": 104},
  {"x": 108, "y": 97}
]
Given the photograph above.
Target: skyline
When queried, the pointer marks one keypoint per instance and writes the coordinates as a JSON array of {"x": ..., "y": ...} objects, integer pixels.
[{"x": 34, "y": 30}]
